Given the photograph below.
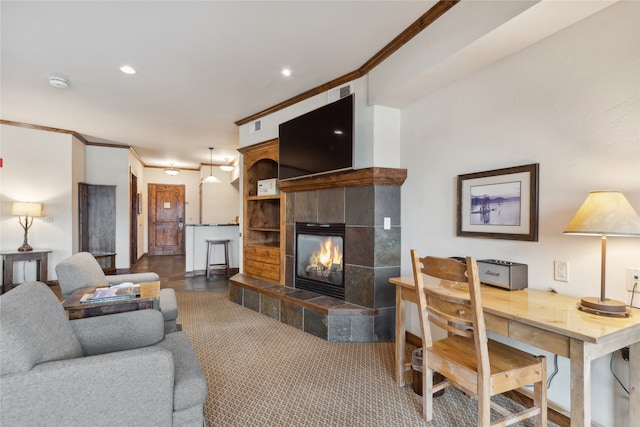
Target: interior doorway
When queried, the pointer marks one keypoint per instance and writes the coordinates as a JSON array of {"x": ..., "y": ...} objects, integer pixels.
[{"x": 166, "y": 219}]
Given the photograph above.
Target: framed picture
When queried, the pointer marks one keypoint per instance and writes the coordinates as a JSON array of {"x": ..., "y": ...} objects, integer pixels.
[
  {"x": 139, "y": 203},
  {"x": 499, "y": 204}
]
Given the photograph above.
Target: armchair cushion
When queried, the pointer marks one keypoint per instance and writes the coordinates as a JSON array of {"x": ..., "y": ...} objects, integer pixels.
[
  {"x": 124, "y": 331},
  {"x": 79, "y": 271},
  {"x": 116, "y": 279},
  {"x": 34, "y": 329},
  {"x": 190, "y": 387},
  {"x": 128, "y": 388}
]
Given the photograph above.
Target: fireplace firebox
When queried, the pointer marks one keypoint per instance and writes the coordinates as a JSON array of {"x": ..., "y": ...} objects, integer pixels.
[{"x": 320, "y": 258}]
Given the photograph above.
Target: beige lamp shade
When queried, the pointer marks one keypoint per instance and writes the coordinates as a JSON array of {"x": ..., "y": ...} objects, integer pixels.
[
  {"x": 605, "y": 213},
  {"x": 26, "y": 209}
]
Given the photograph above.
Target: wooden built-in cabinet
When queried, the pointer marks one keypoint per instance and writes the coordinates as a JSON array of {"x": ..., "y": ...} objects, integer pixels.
[
  {"x": 263, "y": 224},
  {"x": 97, "y": 223}
]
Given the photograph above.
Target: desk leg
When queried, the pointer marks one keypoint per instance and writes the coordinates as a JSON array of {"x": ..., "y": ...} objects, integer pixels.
[
  {"x": 401, "y": 344},
  {"x": 580, "y": 383},
  {"x": 43, "y": 268},
  {"x": 634, "y": 381},
  {"x": 7, "y": 273}
]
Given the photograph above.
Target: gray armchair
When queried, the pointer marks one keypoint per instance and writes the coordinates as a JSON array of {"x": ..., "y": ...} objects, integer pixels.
[
  {"x": 101, "y": 371},
  {"x": 82, "y": 270}
]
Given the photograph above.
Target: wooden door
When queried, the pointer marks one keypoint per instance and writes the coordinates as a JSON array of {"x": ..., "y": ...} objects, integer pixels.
[{"x": 166, "y": 219}]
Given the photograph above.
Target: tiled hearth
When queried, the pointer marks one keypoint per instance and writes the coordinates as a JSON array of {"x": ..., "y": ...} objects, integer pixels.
[{"x": 361, "y": 200}]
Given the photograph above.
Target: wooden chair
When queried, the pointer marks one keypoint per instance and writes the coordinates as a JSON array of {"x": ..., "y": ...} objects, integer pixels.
[{"x": 466, "y": 358}]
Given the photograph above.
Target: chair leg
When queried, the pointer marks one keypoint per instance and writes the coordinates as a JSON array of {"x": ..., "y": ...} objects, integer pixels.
[
  {"x": 484, "y": 408},
  {"x": 427, "y": 390},
  {"x": 540, "y": 395}
]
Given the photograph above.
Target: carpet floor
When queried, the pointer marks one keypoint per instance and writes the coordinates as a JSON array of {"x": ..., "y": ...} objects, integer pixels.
[{"x": 261, "y": 372}]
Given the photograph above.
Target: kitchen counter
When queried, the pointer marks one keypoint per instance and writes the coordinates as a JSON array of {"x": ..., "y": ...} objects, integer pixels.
[{"x": 196, "y": 247}]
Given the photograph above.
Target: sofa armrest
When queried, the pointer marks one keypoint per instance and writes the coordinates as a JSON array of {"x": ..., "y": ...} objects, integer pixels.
[
  {"x": 116, "y": 279},
  {"x": 117, "y": 332},
  {"x": 126, "y": 388}
]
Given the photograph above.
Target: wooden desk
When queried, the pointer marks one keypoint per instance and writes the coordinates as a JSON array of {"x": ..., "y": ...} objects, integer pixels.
[
  {"x": 149, "y": 299},
  {"x": 41, "y": 256},
  {"x": 551, "y": 322}
]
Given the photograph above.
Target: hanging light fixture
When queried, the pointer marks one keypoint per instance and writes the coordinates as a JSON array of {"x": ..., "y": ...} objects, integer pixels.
[
  {"x": 211, "y": 179},
  {"x": 227, "y": 167},
  {"x": 172, "y": 171}
]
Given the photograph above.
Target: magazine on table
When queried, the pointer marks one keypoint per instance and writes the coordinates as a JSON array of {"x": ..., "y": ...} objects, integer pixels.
[{"x": 109, "y": 294}]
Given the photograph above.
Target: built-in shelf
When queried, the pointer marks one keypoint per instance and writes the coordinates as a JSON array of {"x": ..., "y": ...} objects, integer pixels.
[
  {"x": 274, "y": 197},
  {"x": 263, "y": 215}
]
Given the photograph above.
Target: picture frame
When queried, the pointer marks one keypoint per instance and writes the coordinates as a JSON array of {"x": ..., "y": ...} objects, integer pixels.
[{"x": 499, "y": 204}]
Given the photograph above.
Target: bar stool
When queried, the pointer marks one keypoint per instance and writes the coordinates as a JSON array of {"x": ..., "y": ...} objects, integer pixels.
[{"x": 221, "y": 265}]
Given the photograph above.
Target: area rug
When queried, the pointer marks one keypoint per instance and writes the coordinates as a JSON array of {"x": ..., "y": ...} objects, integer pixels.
[{"x": 261, "y": 372}]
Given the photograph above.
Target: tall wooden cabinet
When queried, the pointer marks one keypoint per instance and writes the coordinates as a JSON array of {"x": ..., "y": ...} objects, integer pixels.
[
  {"x": 263, "y": 224},
  {"x": 97, "y": 223}
]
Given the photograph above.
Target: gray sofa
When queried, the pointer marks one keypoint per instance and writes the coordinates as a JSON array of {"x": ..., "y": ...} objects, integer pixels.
[
  {"x": 116, "y": 370},
  {"x": 82, "y": 270}
]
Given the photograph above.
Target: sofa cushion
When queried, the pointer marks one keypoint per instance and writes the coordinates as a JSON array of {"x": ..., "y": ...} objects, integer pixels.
[
  {"x": 118, "y": 332},
  {"x": 79, "y": 271},
  {"x": 190, "y": 386},
  {"x": 33, "y": 329},
  {"x": 168, "y": 304}
]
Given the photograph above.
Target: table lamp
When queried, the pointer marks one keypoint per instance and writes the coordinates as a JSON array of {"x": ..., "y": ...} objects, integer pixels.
[
  {"x": 28, "y": 211},
  {"x": 604, "y": 213}
]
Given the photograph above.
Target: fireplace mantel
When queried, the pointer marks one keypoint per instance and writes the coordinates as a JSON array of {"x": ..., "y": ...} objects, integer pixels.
[{"x": 352, "y": 178}]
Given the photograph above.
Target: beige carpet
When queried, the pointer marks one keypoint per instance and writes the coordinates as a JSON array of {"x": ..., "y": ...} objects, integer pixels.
[{"x": 261, "y": 372}]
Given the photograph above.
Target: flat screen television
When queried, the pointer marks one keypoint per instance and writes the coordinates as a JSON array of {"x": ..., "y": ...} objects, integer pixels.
[{"x": 318, "y": 142}]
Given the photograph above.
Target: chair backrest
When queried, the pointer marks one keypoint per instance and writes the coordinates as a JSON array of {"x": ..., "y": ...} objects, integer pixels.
[
  {"x": 33, "y": 329},
  {"x": 79, "y": 271},
  {"x": 452, "y": 302}
]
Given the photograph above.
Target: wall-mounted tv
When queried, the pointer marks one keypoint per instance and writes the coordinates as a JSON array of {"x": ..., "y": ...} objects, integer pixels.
[{"x": 317, "y": 142}]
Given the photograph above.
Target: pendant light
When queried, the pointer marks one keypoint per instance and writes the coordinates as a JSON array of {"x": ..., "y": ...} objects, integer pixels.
[
  {"x": 211, "y": 179},
  {"x": 227, "y": 167},
  {"x": 172, "y": 171}
]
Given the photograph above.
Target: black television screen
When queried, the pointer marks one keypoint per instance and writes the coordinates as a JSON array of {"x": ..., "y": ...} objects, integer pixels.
[{"x": 317, "y": 142}]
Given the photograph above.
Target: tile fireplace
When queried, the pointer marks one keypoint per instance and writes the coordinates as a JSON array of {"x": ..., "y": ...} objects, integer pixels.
[{"x": 319, "y": 259}]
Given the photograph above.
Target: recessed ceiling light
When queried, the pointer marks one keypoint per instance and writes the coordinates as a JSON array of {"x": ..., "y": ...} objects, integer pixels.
[
  {"x": 128, "y": 69},
  {"x": 285, "y": 72}
]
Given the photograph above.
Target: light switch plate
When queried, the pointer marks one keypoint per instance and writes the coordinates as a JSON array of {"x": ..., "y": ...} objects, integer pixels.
[{"x": 387, "y": 223}]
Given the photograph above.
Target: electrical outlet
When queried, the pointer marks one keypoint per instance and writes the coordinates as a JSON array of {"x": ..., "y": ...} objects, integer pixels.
[
  {"x": 387, "y": 223},
  {"x": 561, "y": 271},
  {"x": 633, "y": 279}
]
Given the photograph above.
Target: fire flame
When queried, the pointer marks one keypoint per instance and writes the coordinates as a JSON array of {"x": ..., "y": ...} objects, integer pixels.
[{"x": 328, "y": 254}]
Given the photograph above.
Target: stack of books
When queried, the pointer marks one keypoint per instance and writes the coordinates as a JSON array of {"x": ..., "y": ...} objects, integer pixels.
[{"x": 114, "y": 293}]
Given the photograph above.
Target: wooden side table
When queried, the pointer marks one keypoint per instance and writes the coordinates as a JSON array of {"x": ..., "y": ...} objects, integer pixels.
[
  {"x": 149, "y": 299},
  {"x": 41, "y": 256}
]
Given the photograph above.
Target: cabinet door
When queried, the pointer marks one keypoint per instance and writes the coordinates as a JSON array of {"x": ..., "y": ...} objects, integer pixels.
[{"x": 97, "y": 216}]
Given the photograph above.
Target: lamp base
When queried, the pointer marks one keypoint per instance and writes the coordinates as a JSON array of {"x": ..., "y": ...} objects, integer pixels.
[
  {"x": 25, "y": 248},
  {"x": 608, "y": 307}
]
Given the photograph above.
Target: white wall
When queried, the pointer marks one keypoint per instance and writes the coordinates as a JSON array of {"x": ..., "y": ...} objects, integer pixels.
[
  {"x": 38, "y": 166},
  {"x": 569, "y": 103},
  {"x": 219, "y": 201}
]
